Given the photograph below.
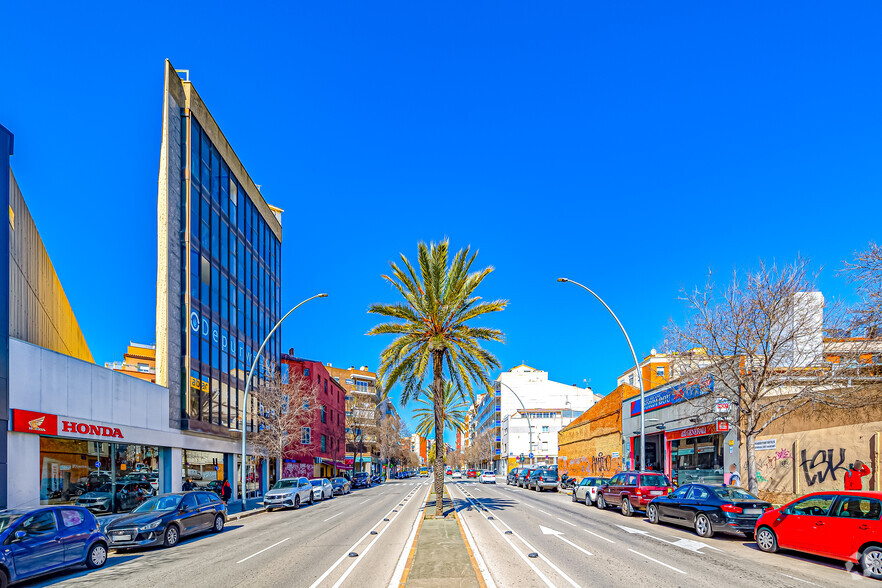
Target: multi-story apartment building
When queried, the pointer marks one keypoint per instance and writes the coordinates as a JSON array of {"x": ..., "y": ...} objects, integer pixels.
[
  {"x": 138, "y": 361},
  {"x": 361, "y": 415}
]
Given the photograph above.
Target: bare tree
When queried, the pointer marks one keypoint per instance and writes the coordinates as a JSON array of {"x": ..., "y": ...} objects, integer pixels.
[
  {"x": 865, "y": 271},
  {"x": 389, "y": 440},
  {"x": 758, "y": 342},
  {"x": 283, "y": 409}
]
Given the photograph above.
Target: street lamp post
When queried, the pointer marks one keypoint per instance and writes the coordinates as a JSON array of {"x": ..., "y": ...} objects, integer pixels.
[
  {"x": 636, "y": 364},
  {"x": 527, "y": 414},
  {"x": 248, "y": 388}
]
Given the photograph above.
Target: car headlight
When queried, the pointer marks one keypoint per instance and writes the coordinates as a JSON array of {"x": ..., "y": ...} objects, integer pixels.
[{"x": 151, "y": 526}]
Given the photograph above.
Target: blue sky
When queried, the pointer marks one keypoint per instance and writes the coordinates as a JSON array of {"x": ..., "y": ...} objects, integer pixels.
[{"x": 630, "y": 147}]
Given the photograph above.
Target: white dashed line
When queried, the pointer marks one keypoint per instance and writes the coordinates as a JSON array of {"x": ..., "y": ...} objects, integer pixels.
[
  {"x": 262, "y": 550},
  {"x": 661, "y": 563}
]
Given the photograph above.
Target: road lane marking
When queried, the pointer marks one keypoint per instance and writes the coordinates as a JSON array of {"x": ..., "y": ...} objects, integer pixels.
[
  {"x": 799, "y": 579},
  {"x": 559, "y": 535},
  {"x": 479, "y": 560},
  {"x": 598, "y": 536},
  {"x": 661, "y": 563},
  {"x": 565, "y": 521},
  {"x": 262, "y": 550},
  {"x": 543, "y": 512},
  {"x": 329, "y": 518},
  {"x": 402, "y": 561},
  {"x": 363, "y": 501},
  {"x": 356, "y": 544}
]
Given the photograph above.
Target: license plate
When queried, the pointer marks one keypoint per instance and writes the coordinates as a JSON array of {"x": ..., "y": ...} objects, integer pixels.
[
  {"x": 657, "y": 492},
  {"x": 753, "y": 511},
  {"x": 122, "y": 537}
]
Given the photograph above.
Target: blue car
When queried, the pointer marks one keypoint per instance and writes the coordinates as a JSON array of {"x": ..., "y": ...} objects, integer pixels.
[{"x": 48, "y": 539}]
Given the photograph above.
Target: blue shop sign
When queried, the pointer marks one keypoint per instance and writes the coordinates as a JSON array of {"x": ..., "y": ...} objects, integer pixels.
[{"x": 674, "y": 395}]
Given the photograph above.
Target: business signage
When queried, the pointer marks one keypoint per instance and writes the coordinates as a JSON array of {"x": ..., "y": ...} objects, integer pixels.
[
  {"x": 765, "y": 445},
  {"x": 674, "y": 395},
  {"x": 722, "y": 426},
  {"x": 723, "y": 406},
  {"x": 692, "y": 432},
  {"x": 26, "y": 421}
]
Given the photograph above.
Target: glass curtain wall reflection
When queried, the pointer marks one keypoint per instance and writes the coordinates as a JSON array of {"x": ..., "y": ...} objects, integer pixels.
[{"x": 234, "y": 270}]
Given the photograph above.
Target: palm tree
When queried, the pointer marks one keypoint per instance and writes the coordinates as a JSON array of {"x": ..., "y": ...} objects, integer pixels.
[
  {"x": 453, "y": 416},
  {"x": 432, "y": 332}
]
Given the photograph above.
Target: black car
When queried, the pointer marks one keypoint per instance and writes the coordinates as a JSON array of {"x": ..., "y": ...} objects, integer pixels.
[
  {"x": 163, "y": 520},
  {"x": 512, "y": 477},
  {"x": 361, "y": 480},
  {"x": 709, "y": 509},
  {"x": 341, "y": 486}
]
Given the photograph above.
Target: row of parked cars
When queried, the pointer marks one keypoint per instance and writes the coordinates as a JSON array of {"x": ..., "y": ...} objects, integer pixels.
[
  {"x": 536, "y": 478},
  {"x": 844, "y": 525}
]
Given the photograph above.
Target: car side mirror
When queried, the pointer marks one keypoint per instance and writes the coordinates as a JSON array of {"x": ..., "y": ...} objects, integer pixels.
[
  {"x": 185, "y": 508},
  {"x": 20, "y": 535}
]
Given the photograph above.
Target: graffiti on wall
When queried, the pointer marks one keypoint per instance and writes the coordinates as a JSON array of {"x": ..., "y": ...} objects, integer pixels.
[
  {"x": 822, "y": 465},
  {"x": 594, "y": 465}
]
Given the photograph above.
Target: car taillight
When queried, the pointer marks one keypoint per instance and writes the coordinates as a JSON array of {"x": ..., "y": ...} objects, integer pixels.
[
  {"x": 639, "y": 493},
  {"x": 732, "y": 508}
]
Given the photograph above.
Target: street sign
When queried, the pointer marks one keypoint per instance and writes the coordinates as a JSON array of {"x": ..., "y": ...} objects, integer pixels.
[
  {"x": 722, "y": 426},
  {"x": 531, "y": 455},
  {"x": 98, "y": 464},
  {"x": 723, "y": 406}
]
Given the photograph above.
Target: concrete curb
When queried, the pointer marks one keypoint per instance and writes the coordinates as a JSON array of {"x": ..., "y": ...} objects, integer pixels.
[{"x": 247, "y": 513}]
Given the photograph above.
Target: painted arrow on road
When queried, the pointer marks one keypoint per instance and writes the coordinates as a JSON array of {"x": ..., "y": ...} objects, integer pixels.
[
  {"x": 559, "y": 535},
  {"x": 688, "y": 544}
]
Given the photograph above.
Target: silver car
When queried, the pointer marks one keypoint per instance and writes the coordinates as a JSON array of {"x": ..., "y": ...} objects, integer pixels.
[
  {"x": 587, "y": 489},
  {"x": 288, "y": 492},
  {"x": 321, "y": 488}
]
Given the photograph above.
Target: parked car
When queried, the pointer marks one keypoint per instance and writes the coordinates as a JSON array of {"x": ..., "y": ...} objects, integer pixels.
[
  {"x": 214, "y": 486},
  {"x": 164, "y": 520},
  {"x": 588, "y": 489},
  {"x": 288, "y": 492},
  {"x": 321, "y": 489},
  {"x": 457, "y": 474},
  {"x": 543, "y": 478},
  {"x": 487, "y": 477},
  {"x": 340, "y": 486},
  {"x": 511, "y": 477},
  {"x": 376, "y": 479},
  {"x": 840, "y": 525},
  {"x": 708, "y": 509},
  {"x": 48, "y": 539},
  {"x": 633, "y": 491},
  {"x": 524, "y": 476},
  {"x": 361, "y": 480},
  {"x": 127, "y": 497}
]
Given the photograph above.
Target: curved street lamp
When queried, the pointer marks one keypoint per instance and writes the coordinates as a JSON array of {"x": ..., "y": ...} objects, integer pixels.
[
  {"x": 526, "y": 414},
  {"x": 248, "y": 388},
  {"x": 636, "y": 364}
]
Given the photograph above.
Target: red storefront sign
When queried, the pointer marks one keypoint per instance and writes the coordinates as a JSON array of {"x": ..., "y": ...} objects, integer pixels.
[
  {"x": 692, "y": 432},
  {"x": 722, "y": 426},
  {"x": 26, "y": 421}
]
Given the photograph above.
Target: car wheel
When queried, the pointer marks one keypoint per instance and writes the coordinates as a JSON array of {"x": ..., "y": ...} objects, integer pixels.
[
  {"x": 97, "y": 556},
  {"x": 218, "y": 524},
  {"x": 587, "y": 498},
  {"x": 627, "y": 510},
  {"x": 297, "y": 501},
  {"x": 601, "y": 502},
  {"x": 171, "y": 536},
  {"x": 4, "y": 579},
  {"x": 766, "y": 540},
  {"x": 652, "y": 514},
  {"x": 871, "y": 562},
  {"x": 703, "y": 527},
  {"x": 574, "y": 496}
]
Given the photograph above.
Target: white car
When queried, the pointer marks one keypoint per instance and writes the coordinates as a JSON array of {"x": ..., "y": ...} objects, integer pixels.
[
  {"x": 288, "y": 492},
  {"x": 487, "y": 477},
  {"x": 321, "y": 488},
  {"x": 457, "y": 474}
]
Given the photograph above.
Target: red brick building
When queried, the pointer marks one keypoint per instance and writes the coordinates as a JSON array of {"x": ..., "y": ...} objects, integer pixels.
[{"x": 321, "y": 450}]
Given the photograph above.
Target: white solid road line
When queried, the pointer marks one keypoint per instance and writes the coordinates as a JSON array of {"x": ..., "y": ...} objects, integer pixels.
[
  {"x": 356, "y": 544},
  {"x": 485, "y": 572},
  {"x": 598, "y": 536},
  {"x": 363, "y": 501},
  {"x": 800, "y": 580},
  {"x": 661, "y": 563},
  {"x": 566, "y": 521},
  {"x": 262, "y": 550},
  {"x": 329, "y": 518},
  {"x": 402, "y": 560}
]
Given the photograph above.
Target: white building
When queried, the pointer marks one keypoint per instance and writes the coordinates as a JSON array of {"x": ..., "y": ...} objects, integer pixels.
[{"x": 551, "y": 406}]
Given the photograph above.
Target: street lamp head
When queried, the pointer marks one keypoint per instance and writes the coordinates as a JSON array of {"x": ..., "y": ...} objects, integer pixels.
[
  {"x": 562, "y": 280},
  {"x": 322, "y": 295}
]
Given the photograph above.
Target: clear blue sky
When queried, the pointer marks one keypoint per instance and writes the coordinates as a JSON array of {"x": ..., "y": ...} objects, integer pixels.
[{"x": 630, "y": 147}]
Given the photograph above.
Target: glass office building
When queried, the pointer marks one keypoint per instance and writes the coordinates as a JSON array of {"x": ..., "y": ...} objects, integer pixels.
[{"x": 219, "y": 278}]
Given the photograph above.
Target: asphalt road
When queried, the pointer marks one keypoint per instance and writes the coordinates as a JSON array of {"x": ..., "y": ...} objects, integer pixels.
[
  {"x": 580, "y": 545},
  {"x": 307, "y": 547}
]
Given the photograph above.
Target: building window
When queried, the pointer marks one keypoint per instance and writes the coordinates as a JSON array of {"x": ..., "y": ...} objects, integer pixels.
[
  {"x": 306, "y": 372},
  {"x": 631, "y": 379},
  {"x": 324, "y": 444},
  {"x": 544, "y": 428},
  {"x": 324, "y": 418},
  {"x": 305, "y": 436},
  {"x": 660, "y": 372}
]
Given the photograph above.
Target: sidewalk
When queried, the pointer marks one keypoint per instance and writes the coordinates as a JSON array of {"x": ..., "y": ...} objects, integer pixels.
[
  {"x": 441, "y": 556},
  {"x": 253, "y": 506}
]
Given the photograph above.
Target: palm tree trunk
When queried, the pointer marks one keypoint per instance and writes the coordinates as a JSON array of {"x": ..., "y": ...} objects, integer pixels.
[{"x": 438, "y": 400}]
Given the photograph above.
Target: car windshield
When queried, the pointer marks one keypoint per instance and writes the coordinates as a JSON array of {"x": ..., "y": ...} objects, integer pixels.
[
  {"x": 315, "y": 482},
  {"x": 361, "y": 475},
  {"x": 282, "y": 484},
  {"x": 654, "y": 480},
  {"x": 734, "y": 494},
  {"x": 102, "y": 488},
  {"x": 160, "y": 504},
  {"x": 6, "y": 520},
  {"x": 338, "y": 481}
]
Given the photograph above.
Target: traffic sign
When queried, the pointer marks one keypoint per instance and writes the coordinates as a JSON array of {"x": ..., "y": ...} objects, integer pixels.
[
  {"x": 531, "y": 455},
  {"x": 98, "y": 464}
]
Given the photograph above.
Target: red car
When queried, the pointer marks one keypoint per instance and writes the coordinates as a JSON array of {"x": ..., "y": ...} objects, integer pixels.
[
  {"x": 840, "y": 525},
  {"x": 472, "y": 474},
  {"x": 632, "y": 491}
]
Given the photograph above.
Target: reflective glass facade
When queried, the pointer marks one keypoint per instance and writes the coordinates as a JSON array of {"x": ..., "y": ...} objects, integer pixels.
[{"x": 231, "y": 286}]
